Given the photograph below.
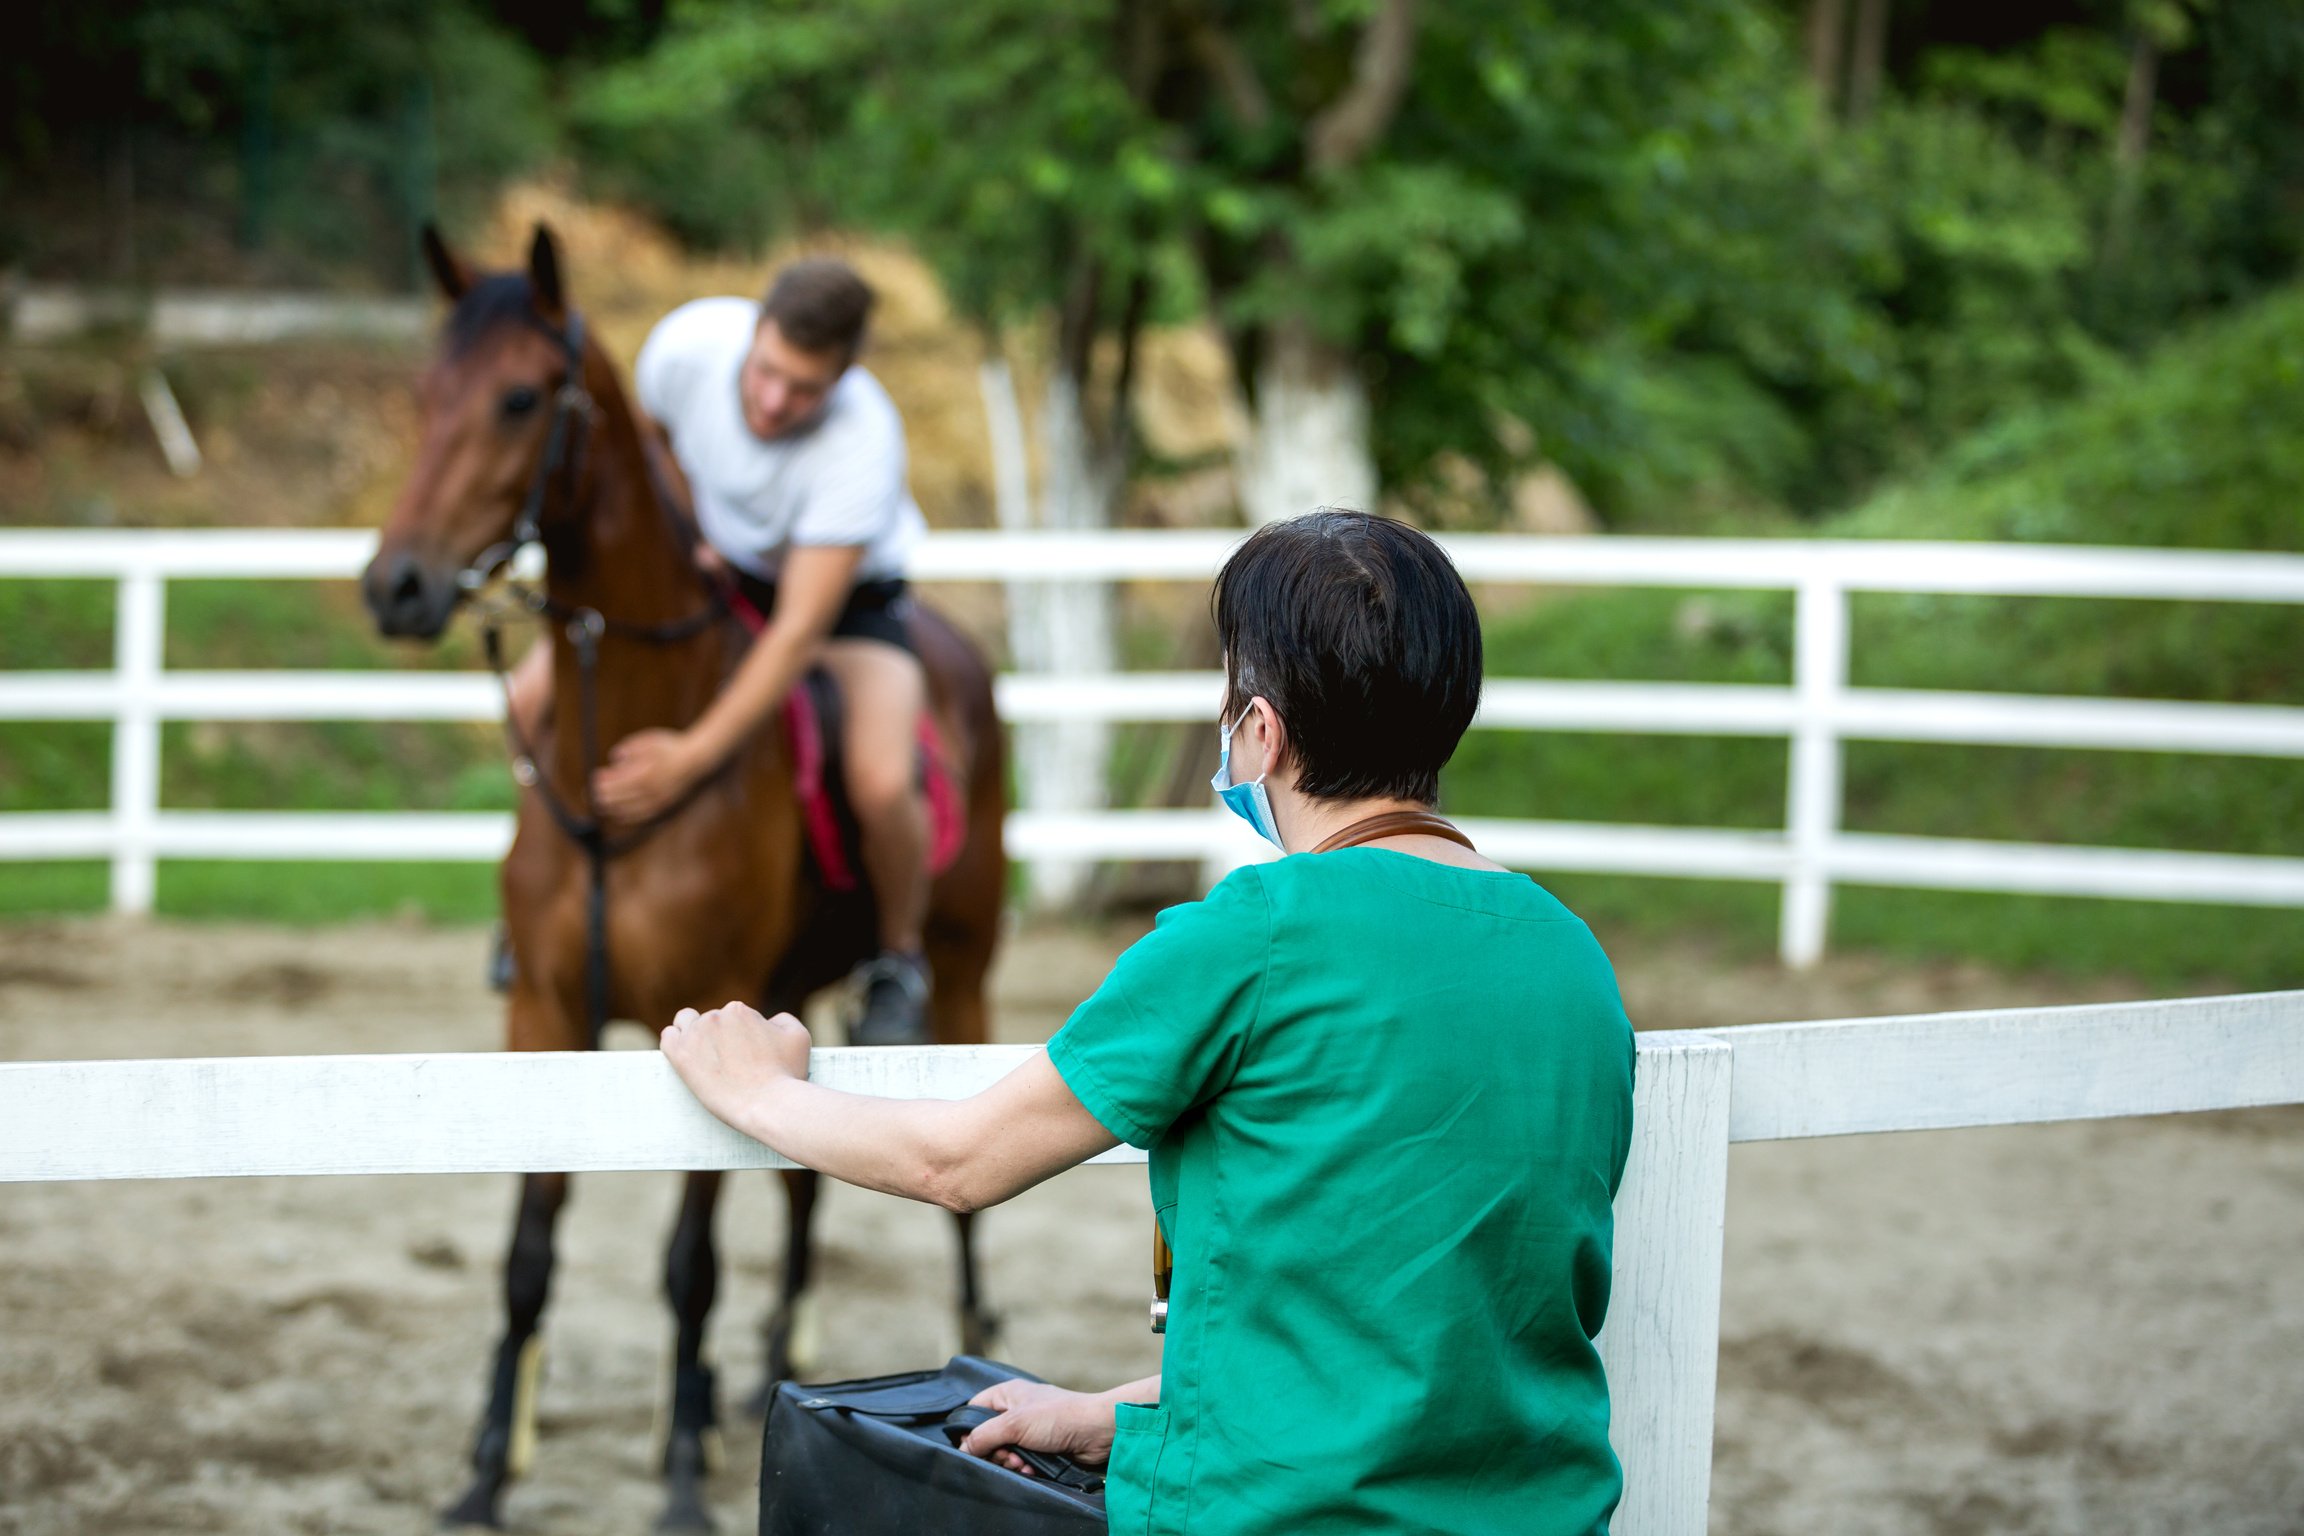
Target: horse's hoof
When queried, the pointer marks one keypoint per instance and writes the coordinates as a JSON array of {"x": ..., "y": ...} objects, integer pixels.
[
  {"x": 684, "y": 1512},
  {"x": 476, "y": 1510}
]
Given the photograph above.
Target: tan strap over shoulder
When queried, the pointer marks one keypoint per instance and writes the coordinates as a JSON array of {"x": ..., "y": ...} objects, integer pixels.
[{"x": 1393, "y": 824}]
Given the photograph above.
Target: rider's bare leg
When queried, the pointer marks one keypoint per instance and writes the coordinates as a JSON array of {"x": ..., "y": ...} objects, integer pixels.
[{"x": 884, "y": 690}]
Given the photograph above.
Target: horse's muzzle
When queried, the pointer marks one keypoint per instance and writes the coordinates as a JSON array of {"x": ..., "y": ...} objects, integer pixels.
[{"x": 407, "y": 598}]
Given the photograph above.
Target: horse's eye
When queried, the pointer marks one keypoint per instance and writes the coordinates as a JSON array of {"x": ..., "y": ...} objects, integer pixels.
[{"x": 519, "y": 400}]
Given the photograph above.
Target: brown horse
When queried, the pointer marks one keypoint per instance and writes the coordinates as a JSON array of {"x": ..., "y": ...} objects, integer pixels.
[{"x": 527, "y": 436}]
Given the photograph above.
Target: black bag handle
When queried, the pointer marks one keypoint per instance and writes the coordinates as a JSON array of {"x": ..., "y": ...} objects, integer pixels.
[{"x": 1062, "y": 1470}]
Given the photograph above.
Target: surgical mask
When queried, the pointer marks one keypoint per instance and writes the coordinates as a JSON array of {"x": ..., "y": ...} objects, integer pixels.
[{"x": 1246, "y": 801}]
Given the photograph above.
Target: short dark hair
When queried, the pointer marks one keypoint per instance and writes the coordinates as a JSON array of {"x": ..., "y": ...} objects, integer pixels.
[
  {"x": 1360, "y": 634},
  {"x": 820, "y": 305}
]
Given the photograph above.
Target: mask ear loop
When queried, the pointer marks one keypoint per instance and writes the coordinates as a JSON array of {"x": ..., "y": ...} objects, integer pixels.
[{"x": 1225, "y": 745}]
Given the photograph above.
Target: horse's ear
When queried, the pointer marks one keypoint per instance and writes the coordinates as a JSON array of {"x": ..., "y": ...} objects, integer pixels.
[
  {"x": 544, "y": 272},
  {"x": 448, "y": 268}
]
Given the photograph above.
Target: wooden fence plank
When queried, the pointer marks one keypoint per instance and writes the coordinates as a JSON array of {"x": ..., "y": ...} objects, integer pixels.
[
  {"x": 467, "y": 1112},
  {"x": 2016, "y": 1066}
]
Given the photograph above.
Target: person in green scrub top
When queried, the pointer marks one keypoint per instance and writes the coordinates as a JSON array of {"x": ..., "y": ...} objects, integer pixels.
[{"x": 1386, "y": 1086}]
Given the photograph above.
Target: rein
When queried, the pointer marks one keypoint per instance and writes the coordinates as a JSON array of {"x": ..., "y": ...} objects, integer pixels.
[{"x": 573, "y": 414}]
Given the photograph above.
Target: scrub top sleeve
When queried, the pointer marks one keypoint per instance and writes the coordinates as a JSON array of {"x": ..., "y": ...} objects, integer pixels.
[{"x": 1168, "y": 1029}]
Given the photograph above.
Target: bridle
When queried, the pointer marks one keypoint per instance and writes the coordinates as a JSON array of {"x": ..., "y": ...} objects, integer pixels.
[{"x": 573, "y": 415}]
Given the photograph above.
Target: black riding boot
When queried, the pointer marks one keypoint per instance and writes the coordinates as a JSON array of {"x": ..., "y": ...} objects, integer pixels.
[{"x": 895, "y": 1002}]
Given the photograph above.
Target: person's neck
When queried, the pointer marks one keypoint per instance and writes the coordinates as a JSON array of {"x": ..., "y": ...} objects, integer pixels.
[{"x": 1306, "y": 823}]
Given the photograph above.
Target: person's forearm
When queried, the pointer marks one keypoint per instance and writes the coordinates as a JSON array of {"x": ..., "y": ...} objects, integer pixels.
[
  {"x": 768, "y": 671},
  {"x": 1145, "y": 1390},
  {"x": 962, "y": 1154},
  {"x": 917, "y": 1148}
]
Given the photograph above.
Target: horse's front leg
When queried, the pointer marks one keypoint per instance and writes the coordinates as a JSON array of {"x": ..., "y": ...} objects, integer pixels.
[
  {"x": 691, "y": 1280},
  {"x": 506, "y": 1441},
  {"x": 791, "y": 1333}
]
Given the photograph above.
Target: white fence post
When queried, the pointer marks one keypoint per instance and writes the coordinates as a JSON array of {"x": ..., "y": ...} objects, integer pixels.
[
  {"x": 1662, "y": 1341},
  {"x": 139, "y": 636},
  {"x": 1812, "y": 815}
]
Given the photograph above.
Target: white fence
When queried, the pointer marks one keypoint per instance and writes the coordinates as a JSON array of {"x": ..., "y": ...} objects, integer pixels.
[
  {"x": 1696, "y": 1092},
  {"x": 1815, "y": 714}
]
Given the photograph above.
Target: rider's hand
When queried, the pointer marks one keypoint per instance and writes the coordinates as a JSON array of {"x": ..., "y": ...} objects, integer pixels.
[
  {"x": 1040, "y": 1417},
  {"x": 731, "y": 1055},
  {"x": 646, "y": 774}
]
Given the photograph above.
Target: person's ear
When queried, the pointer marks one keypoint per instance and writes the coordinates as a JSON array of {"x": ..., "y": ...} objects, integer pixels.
[{"x": 1271, "y": 735}]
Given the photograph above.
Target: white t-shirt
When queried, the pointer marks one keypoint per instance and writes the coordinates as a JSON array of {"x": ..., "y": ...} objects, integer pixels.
[{"x": 837, "y": 481}]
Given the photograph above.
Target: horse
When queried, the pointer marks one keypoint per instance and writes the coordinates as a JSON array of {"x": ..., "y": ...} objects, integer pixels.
[{"x": 527, "y": 436}]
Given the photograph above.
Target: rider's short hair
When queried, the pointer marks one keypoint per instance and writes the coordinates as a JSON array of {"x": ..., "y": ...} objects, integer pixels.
[
  {"x": 1362, "y": 637},
  {"x": 820, "y": 305}
]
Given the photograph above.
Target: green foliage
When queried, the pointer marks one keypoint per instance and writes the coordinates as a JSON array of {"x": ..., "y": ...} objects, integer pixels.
[
  {"x": 2200, "y": 445},
  {"x": 312, "y": 137},
  {"x": 710, "y": 129}
]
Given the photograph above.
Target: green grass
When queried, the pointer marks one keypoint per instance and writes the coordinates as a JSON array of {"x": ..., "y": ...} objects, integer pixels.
[
  {"x": 312, "y": 894},
  {"x": 47, "y": 888},
  {"x": 296, "y": 894},
  {"x": 2160, "y": 945}
]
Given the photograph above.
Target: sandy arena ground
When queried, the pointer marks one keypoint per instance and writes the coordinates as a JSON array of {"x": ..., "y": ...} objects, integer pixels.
[{"x": 2086, "y": 1328}]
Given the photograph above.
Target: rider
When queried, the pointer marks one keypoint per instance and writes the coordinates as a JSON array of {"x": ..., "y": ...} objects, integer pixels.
[{"x": 795, "y": 462}]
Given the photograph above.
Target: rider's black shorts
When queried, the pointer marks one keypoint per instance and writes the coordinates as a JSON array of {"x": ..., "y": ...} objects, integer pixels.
[{"x": 876, "y": 610}]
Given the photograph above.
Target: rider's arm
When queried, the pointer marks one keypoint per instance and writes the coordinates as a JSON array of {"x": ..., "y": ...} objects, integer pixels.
[
  {"x": 811, "y": 589},
  {"x": 962, "y": 1154}
]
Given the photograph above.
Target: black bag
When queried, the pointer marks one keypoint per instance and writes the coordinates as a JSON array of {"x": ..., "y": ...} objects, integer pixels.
[{"x": 883, "y": 1458}]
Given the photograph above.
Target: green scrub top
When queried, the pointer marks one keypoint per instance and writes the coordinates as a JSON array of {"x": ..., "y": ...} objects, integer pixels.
[{"x": 1387, "y": 1103}]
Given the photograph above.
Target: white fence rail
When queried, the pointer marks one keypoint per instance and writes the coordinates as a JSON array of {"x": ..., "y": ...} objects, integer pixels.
[
  {"x": 1815, "y": 714},
  {"x": 1696, "y": 1092}
]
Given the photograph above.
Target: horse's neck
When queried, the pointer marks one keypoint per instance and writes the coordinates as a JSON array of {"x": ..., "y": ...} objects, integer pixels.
[{"x": 633, "y": 569}]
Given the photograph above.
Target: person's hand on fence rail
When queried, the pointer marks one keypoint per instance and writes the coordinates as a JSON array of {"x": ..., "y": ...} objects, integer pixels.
[{"x": 730, "y": 1055}]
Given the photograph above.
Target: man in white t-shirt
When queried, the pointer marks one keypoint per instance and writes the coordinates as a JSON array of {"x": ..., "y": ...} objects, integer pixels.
[{"x": 795, "y": 461}]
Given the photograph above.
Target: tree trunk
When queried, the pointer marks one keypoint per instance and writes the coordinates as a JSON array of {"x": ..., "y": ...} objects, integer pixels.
[
  {"x": 1307, "y": 444},
  {"x": 1868, "y": 60},
  {"x": 1827, "y": 48},
  {"x": 2135, "y": 136},
  {"x": 1056, "y": 627}
]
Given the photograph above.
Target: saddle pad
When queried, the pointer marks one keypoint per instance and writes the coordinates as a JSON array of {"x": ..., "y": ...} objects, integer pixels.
[
  {"x": 823, "y": 789},
  {"x": 882, "y": 1458}
]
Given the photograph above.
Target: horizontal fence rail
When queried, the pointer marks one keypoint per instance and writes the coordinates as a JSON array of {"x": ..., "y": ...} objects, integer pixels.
[
  {"x": 1695, "y": 1093},
  {"x": 1815, "y": 714}
]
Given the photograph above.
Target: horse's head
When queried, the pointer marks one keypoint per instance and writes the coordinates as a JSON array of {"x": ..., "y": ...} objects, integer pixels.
[{"x": 494, "y": 418}]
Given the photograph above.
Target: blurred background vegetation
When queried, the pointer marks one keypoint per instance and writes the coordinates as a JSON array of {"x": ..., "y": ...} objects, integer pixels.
[{"x": 1867, "y": 268}]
